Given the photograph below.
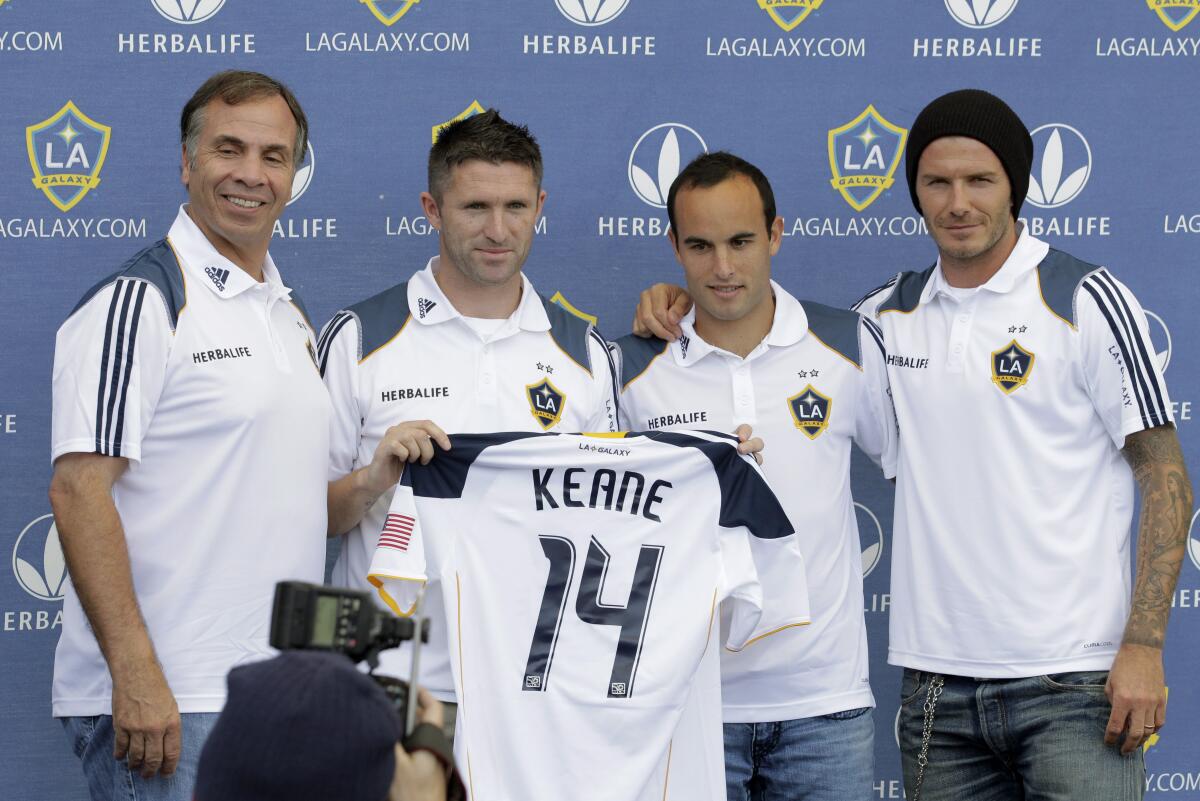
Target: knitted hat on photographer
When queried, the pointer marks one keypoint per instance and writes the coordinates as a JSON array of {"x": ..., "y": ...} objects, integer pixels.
[
  {"x": 304, "y": 726},
  {"x": 978, "y": 115}
]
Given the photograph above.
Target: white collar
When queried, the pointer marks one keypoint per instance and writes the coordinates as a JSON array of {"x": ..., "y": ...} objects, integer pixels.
[
  {"x": 430, "y": 306},
  {"x": 788, "y": 326},
  {"x": 201, "y": 260},
  {"x": 1026, "y": 254}
]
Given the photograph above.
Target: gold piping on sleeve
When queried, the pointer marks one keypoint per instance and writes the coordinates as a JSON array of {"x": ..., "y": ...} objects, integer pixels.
[
  {"x": 641, "y": 373},
  {"x": 768, "y": 634},
  {"x": 1042, "y": 296},
  {"x": 667, "y": 777},
  {"x": 395, "y": 336},
  {"x": 375, "y": 579},
  {"x": 857, "y": 366},
  {"x": 182, "y": 277}
]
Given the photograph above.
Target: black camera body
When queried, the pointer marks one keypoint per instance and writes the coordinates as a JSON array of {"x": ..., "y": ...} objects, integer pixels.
[{"x": 313, "y": 617}]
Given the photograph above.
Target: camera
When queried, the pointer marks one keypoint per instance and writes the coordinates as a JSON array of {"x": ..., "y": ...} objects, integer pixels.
[{"x": 314, "y": 617}]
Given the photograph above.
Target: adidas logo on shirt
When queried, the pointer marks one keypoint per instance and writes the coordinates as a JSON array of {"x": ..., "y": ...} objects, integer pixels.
[
  {"x": 218, "y": 276},
  {"x": 683, "y": 345},
  {"x": 425, "y": 306}
]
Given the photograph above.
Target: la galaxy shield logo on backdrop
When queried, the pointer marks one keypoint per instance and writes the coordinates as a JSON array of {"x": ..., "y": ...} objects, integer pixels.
[
  {"x": 789, "y": 13},
  {"x": 469, "y": 111},
  {"x": 1011, "y": 366},
  {"x": 1175, "y": 14},
  {"x": 810, "y": 411},
  {"x": 67, "y": 152},
  {"x": 389, "y": 12},
  {"x": 546, "y": 402},
  {"x": 863, "y": 157}
]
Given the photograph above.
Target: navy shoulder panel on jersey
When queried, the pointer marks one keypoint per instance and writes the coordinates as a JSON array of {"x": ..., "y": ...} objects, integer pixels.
[
  {"x": 746, "y": 499},
  {"x": 1059, "y": 276},
  {"x": 299, "y": 304},
  {"x": 446, "y": 474},
  {"x": 570, "y": 333},
  {"x": 380, "y": 317},
  {"x": 637, "y": 353},
  {"x": 157, "y": 266},
  {"x": 906, "y": 294},
  {"x": 837, "y": 328}
]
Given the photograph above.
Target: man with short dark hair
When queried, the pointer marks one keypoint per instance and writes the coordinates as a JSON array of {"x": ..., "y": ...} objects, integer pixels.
[
  {"x": 181, "y": 491},
  {"x": 465, "y": 345},
  {"x": 811, "y": 380}
]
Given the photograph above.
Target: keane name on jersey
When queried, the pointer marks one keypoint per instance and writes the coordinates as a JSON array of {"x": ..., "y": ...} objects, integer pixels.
[{"x": 604, "y": 490}]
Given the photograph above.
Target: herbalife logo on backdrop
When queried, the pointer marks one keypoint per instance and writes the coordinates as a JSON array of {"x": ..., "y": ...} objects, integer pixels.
[
  {"x": 1194, "y": 541},
  {"x": 1062, "y": 165},
  {"x": 591, "y": 12},
  {"x": 187, "y": 12},
  {"x": 304, "y": 175},
  {"x": 980, "y": 13},
  {"x": 657, "y": 158},
  {"x": 870, "y": 536},
  {"x": 1160, "y": 336},
  {"x": 38, "y": 562}
]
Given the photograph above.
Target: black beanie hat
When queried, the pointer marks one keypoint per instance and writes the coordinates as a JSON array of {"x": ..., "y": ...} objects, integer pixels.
[
  {"x": 304, "y": 726},
  {"x": 979, "y": 115}
]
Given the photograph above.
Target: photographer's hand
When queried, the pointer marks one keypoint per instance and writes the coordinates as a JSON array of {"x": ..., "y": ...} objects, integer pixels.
[{"x": 420, "y": 776}]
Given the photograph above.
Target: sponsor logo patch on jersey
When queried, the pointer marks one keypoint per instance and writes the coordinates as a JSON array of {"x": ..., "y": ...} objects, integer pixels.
[
  {"x": 218, "y": 276},
  {"x": 1011, "y": 366},
  {"x": 389, "y": 12},
  {"x": 810, "y": 411},
  {"x": 789, "y": 13},
  {"x": 67, "y": 151},
  {"x": 863, "y": 157},
  {"x": 546, "y": 402},
  {"x": 425, "y": 306}
]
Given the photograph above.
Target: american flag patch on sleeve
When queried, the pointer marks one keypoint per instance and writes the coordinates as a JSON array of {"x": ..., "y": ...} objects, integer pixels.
[{"x": 397, "y": 531}]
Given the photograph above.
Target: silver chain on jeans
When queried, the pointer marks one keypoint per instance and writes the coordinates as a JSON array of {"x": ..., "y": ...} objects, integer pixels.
[{"x": 931, "y": 699}]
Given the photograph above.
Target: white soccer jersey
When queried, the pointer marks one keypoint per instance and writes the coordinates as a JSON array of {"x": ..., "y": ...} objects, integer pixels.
[
  {"x": 1013, "y": 501},
  {"x": 581, "y": 576},
  {"x": 206, "y": 382},
  {"x": 815, "y": 385},
  {"x": 407, "y": 354}
]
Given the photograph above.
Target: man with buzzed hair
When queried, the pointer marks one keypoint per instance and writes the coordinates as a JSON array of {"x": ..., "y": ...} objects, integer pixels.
[
  {"x": 181, "y": 490},
  {"x": 465, "y": 345}
]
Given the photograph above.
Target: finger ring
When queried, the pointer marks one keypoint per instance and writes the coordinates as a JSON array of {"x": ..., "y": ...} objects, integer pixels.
[{"x": 1149, "y": 727}]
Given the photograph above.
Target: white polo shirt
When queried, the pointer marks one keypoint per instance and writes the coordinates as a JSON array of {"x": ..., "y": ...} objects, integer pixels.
[
  {"x": 407, "y": 354},
  {"x": 1013, "y": 501},
  {"x": 206, "y": 381},
  {"x": 815, "y": 385}
]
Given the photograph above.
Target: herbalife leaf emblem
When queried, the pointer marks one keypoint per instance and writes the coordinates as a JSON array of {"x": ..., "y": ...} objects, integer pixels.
[
  {"x": 870, "y": 533},
  {"x": 1066, "y": 164},
  {"x": 980, "y": 13},
  {"x": 304, "y": 175},
  {"x": 38, "y": 561},
  {"x": 591, "y": 12},
  {"x": 187, "y": 12},
  {"x": 1160, "y": 335},
  {"x": 658, "y": 156},
  {"x": 1194, "y": 541}
]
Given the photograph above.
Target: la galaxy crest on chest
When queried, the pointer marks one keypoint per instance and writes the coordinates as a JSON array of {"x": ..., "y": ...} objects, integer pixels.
[
  {"x": 1011, "y": 367},
  {"x": 810, "y": 411},
  {"x": 546, "y": 403}
]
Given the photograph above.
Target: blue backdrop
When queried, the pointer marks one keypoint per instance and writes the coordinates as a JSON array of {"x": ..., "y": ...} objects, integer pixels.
[{"x": 620, "y": 93}]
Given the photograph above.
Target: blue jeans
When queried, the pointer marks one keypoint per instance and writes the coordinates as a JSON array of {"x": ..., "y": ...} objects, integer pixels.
[
  {"x": 1032, "y": 739},
  {"x": 111, "y": 780},
  {"x": 822, "y": 758}
]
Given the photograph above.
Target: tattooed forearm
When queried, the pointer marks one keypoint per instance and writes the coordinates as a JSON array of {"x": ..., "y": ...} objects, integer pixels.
[{"x": 1166, "y": 491}]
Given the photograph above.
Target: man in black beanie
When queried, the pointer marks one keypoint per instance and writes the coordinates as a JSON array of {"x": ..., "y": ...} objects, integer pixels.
[{"x": 1028, "y": 400}]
